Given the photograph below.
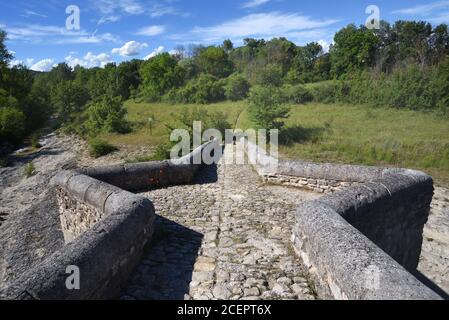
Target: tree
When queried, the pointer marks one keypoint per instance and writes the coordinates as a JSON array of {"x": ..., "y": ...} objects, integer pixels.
[
  {"x": 413, "y": 40},
  {"x": 214, "y": 61},
  {"x": 107, "y": 115},
  {"x": 270, "y": 75},
  {"x": 266, "y": 108},
  {"x": 306, "y": 66},
  {"x": 237, "y": 87},
  {"x": 160, "y": 74},
  {"x": 228, "y": 46},
  {"x": 5, "y": 56},
  {"x": 12, "y": 125},
  {"x": 69, "y": 97},
  {"x": 439, "y": 42},
  {"x": 354, "y": 49}
]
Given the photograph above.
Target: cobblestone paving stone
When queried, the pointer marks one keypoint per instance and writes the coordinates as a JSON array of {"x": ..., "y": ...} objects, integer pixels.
[{"x": 225, "y": 237}]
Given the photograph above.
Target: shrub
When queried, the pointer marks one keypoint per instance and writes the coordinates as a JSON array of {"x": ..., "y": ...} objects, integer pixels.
[
  {"x": 12, "y": 125},
  {"x": 297, "y": 94},
  {"x": 99, "y": 148},
  {"x": 266, "y": 107},
  {"x": 237, "y": 88},
  {"x": 202, "y": 90},
  {"x": 107, "y": 115},
  {"x": 29, "y": 170},
  {"x": 270, "y": 75},
  {"x": 326, "y": 92},
  {"x": 35, "y": 141},
  {"x": 162, "y": 152}
]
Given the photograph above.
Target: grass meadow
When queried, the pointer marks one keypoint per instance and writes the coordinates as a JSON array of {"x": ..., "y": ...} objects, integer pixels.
[{"x": 324, "y": 133}]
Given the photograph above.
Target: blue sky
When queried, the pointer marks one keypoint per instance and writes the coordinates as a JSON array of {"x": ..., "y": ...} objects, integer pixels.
[{"x": 119, "y": 30}]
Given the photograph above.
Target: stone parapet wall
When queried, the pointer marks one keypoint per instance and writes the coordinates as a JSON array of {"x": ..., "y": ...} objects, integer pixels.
[
  {"x": 76, "y": 217},
  {"x": 105, "y": 227},
  {"x": 315, "y": 185},
  {"x": 363, "y": 238}
]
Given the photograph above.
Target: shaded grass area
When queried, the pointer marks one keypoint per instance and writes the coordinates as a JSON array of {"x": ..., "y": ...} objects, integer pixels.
[{"x": 323, "y": 133}]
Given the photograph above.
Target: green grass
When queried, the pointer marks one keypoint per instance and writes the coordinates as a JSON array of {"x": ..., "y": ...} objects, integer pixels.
[
  {"x": 163, "y": 114},
  {"x": 325, "y": 133},
  {"x": 363, "y": 135},
  {"x": 99, "y": 148},
  {"x": 29, "y": 170}
]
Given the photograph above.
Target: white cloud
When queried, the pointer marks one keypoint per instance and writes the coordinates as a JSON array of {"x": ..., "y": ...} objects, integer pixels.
[
  {"x": 151, "y": 31},
  {"x": 43, "y": 65},
  {"x": 155, "y": 52},
  {"x": 86, "y": 39},
  {"x": 263, "y": 25},
  {"x": 108, "y": 19},
  {"x": 424, "y": 9},
  {"x": 90, "y": 60},
  {"x": 442, "y": 18},
  {"x": 254, "y": 3},
  {"x": 325, "y": 45},
  {"x": 130, "y": 48},
  {"x": 55, "y": 35},
  {"x": 29, "y": 13},
  {"x": 117, "y": 8},
  {"x": 127, "y": 6},
  {"x": 28, "y": 62}
]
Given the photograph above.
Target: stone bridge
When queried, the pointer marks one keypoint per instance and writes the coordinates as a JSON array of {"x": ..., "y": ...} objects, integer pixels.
[{"x": 230, "y": 231}]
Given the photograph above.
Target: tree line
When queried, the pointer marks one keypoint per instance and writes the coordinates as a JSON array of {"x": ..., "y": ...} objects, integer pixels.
[{"x": 405, "y": 64}]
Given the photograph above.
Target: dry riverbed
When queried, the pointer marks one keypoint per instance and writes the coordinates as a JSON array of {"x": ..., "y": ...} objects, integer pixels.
[{"x": 29, "y": 223}]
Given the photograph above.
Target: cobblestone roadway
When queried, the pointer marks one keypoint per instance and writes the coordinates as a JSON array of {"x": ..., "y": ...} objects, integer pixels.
[{"x": 227, "y": 237}]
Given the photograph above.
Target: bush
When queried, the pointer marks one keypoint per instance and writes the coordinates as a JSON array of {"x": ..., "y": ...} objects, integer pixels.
[
  {"x": 270, "y": 75},
  {"x": 326, "y": 92},
  {"x": 12, "y": 125},
  {"x": 29, "y": 170},
  {"x": 99, "y": 148},
  {"x": 237, "y": 88},
  {"x": 35, "y": 141},
  {"x": 107, "y": 115},
  {"x": 162, "y": 152},
  {"x": 297, "y": 94},
  {"x": 202, "y": 90},
  {"x": 266, "y": 107}
]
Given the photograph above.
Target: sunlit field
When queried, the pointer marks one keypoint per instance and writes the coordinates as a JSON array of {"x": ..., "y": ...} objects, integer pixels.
[{"x": 323, "y": 133}]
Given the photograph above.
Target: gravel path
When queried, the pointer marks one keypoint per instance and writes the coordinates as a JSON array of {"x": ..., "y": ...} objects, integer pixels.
[{"x": 227, "y": 237}]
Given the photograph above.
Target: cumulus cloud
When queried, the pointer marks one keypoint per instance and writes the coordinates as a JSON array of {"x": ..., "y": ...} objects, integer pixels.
[
  {"x": 325, "y": 45},
  {"x": 130, "y": 48},
  {"x": 151, "y": 31},
  {"x": 43, "y": 65},
  {"x": 155, "y": 52},
  {"x": 90, "y": 60},
  {"x": 254, "y": 3}
]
